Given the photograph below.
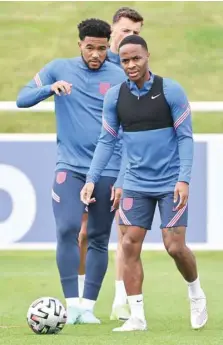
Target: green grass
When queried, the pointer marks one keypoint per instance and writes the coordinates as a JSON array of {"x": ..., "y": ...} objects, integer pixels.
[
  {"x": 12, "y": 122},
  {"x": 185, "y": 40},
  {"x": 16, "y": 122},
  {"x": 26, "y": 276}
]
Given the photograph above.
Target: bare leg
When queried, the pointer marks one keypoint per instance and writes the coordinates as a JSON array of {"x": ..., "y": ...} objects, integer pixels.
[
  {"x": 133, "y": 237},
  {"x": 174, "y": 242},
  {"x": 119, "y": 267}
]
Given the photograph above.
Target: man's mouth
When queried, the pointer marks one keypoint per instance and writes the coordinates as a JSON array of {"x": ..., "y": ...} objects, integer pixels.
[{"x": 132, "y": 74}]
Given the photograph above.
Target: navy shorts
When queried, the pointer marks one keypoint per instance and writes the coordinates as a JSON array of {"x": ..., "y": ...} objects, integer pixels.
[{"x": 138, "y": 208}]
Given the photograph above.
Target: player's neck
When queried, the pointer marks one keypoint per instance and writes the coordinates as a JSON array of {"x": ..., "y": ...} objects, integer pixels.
[
  {"x": 142, "y": 81},
  {"x": 113, "y": 48}
]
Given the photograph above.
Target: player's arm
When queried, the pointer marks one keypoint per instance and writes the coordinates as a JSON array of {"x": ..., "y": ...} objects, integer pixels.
[
  {"x": 118, "y": 186},
  {"x": 105, "y": 145},
  {"x": 124, "y": 160},
  {"x": 181, "y": 113},
  {"x": 42, "y": 86},
  {"x": 108, "y": 137}
]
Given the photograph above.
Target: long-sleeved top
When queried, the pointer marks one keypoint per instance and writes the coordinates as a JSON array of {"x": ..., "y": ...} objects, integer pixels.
[
  {"x": 78, "y": 115},
  {"x": 114, "y": 58},
  {"x": 157, "y": 158}
]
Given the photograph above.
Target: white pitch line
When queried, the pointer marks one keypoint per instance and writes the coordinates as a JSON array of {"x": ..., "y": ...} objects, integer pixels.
[{"x": 7, "y": 327}]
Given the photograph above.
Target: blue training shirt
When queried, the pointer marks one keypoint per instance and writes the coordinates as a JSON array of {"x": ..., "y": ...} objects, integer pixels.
[
  {"x": 78, "y": 115},
  {"x": 157, "y": 159},
  {"x": 114, "y": 58}
]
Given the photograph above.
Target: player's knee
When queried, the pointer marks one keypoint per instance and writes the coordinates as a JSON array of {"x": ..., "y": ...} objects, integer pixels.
[
  {"x": 67, "y": 230},
  {"x": 175, "y": 249},
  {"x": 99, "y": 237},
  {"x": 128, "y": 246}
]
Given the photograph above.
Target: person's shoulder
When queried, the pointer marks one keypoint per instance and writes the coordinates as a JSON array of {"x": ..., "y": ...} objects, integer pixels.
[
  {"x": 73, "y": 61},
  {"x": 115, "y": 73},
  {"x": 174, "y": 92},
  {"x": 113, "y": 92},
  {"x": 172, "y": 85},
  {"x": 112, "y": 67},
  {"x": 55, "y": 62},
  {"x": 68, "y": 61},
  {"x": 59, "y": 63}
]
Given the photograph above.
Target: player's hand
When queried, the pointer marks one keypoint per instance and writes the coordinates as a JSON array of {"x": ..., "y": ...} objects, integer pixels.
[
  {"x": 61, "y": 87},
  {"x": 181, "y": 192},
  {"x": 116, "y": 194},
  {"x": 86, "y": 193}
]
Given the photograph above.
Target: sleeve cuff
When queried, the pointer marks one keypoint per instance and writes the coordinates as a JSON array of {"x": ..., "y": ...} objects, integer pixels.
[
  {"x": 119, "y": 183},
  {"x": 185, "y": 179},
  {"x": 47, "y": 90},
  {"x": 90, "y": 179}
]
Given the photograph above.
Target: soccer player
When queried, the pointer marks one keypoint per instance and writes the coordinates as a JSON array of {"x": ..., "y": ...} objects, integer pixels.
[
  {"x": 156, "y": 120},
  {"x": 126, "y": 21},
  {"x": 78, "y": 86}
]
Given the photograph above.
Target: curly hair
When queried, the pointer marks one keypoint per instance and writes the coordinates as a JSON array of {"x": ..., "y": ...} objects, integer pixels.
[{"x": 94, "y": 28}]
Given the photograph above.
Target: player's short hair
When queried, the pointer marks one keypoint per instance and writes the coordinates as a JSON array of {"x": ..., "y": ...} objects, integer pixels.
[
  {"x": 94, "y": 28},
  {"x": 134, "y": 39},
  {"x": 127, "y": 12}
]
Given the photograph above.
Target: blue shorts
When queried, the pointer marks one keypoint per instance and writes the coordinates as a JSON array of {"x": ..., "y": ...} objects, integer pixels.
[{"x": 138, "y": 208}]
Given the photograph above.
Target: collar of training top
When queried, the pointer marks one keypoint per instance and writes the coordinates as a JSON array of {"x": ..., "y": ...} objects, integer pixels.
[{"x": 147, "y": 85}]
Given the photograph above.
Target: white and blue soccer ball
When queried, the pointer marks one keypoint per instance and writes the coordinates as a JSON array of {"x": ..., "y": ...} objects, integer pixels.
[{"x": 46, "y": 315}]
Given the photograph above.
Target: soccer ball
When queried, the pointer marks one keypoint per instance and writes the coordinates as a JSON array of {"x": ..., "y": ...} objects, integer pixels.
[{"x": 46, "y": 315}]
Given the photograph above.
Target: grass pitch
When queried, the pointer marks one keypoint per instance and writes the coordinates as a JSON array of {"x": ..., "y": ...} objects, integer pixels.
[{"x": 26, "y": 276}]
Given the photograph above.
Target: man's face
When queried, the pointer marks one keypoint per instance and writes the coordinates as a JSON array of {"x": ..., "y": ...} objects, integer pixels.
[
  {"x": 124, "y": 27},
  {"x": 93, "y": 51},
  {"x": 134, "y": 60}
]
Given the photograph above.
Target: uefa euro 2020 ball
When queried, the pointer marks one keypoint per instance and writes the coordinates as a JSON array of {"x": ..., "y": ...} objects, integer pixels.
[{"x": 46, "y": 315}]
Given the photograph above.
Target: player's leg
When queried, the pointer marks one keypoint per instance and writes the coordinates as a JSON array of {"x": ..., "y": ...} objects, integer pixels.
[
  {"x": 136, "y": 214},
  {"x": 173, "y": 226},
  {"x": 120, "y": 308},
  {"x": 82, "y": 239},
  {"x": 68, "y": 211},
  {"x": 100, "y": 220}
]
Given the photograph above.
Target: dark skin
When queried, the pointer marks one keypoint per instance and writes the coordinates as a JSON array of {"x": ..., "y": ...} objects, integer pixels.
[
  {"x": 94, "y": 51},
  {"x": 134, "y": 60}
]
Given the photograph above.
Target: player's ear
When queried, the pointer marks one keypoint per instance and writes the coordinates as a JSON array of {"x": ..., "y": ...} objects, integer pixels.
[
  {"x": 148, "y": 55},
  {"x": 79, "y": 44}
]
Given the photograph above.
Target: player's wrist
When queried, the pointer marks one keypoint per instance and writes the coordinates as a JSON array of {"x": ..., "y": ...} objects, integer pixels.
[{"x": 90, "y": 179}]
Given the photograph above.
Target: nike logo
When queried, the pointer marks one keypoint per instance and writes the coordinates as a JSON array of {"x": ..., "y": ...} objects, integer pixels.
[
  {"x": 139, "y": 301},
  {"x": 153, "y": 97}
]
